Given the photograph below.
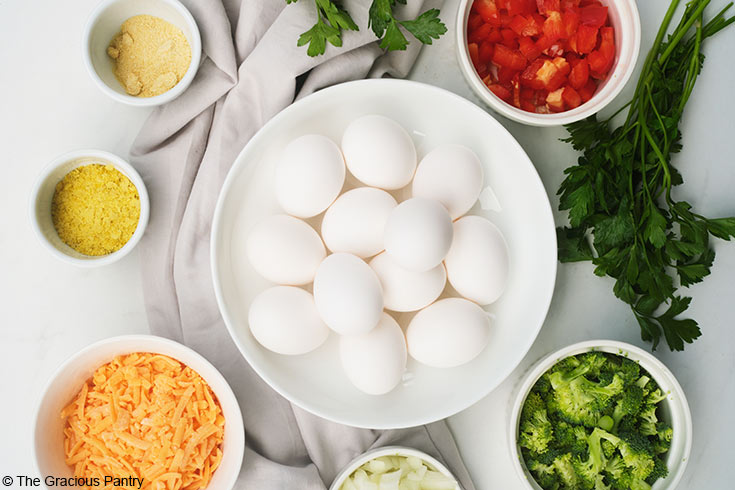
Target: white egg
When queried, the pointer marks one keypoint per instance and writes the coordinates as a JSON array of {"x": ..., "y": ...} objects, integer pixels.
[
  {"x": 477, "y": 264},
  {"x": 418, "y": 234},
  {"x": 347, "y": 294},
  {"x": 309, "y": 175},
  {"x": 356, "y": 221},
  {"x": 379, "y": 152},
  {"x": 451, "y": 174},
  {"x": 448, "y": 333},
  {"x": 375, "y": 361},
  {"x": 285, "y": 250},
  {"x": 284, "y": 319},
  {"x": 405, "y": 290}
]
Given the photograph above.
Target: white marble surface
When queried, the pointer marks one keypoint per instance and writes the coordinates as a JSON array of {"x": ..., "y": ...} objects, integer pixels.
[{"x": 49, "y": 310}]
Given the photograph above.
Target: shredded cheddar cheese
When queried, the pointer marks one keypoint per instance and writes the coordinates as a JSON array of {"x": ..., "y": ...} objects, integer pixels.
[{"x": 144, "y": 416}]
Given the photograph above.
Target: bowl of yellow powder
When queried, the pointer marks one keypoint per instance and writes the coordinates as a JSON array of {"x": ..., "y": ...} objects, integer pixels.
[
  {"x": 89, "y": 208},
  {"x": 142, "y": 52}
]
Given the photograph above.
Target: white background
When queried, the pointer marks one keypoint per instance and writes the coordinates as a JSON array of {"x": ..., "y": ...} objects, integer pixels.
[{"x": 49, "y": 310}]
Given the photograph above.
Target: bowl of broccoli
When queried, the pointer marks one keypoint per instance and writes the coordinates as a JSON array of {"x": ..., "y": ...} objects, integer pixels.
[{"x": 600, "y": 415}]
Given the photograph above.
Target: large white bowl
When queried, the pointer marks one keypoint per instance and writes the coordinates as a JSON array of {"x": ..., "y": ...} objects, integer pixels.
[
  {"x": 514, "y": 198},
  {"x": 624, "y": 17},
  {"x": 675, "y": 409},
  {"x": 64, "y": 385}
]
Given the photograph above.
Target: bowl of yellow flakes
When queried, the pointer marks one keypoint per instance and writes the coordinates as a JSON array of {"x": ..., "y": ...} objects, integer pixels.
[{"x": 89, "y": 208}]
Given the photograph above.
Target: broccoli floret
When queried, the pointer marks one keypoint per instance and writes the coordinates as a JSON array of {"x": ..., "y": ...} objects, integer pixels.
[
  {"x": 544, "y": 475},
  {"x": 565, "y": 469},
  {"x": 637, "y": 454},
  {"x": 589, "y": 469},
  {"x": 534, "y": 403},
  {"x": 629, "y": 370},
  {"x": 655, "y": 396},
  {"x": 570, "y": 438},
  {"x": 648, "y": 420},
  {"x": 628, "y": 404},
  {"x": 580, "y": 400},
  {"x": 600, "y": 483},
  {"x": 620, "y": 476},
  {"x": 608, "y": 449},
  {"x": 536, "y": 433}
]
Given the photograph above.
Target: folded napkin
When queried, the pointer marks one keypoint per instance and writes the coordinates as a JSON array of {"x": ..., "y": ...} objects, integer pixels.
[{"x": 252, "y": 69}]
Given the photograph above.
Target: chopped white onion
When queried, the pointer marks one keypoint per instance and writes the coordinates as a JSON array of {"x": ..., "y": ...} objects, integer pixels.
[{"x": 398, "y": 473}]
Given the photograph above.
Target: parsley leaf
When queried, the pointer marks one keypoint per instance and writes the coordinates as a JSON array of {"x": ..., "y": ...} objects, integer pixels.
[
  {"x": 331, "y": 20},
  {"x": 622, "y": 216},
  {"x": 426, "y": 26}
]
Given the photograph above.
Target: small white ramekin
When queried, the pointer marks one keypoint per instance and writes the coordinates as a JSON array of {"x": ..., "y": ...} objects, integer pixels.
[
  {"x": 624, "y": 18},
  {"x": 675, "y": 408},
  {"x": 48, "y": 435},
  {"x": 388, "y": 451},
  {"x": 104, "y": 24},
  {"x": 43, "y": 193}
]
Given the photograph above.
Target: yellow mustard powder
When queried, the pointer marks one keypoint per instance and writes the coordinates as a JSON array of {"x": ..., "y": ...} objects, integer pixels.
[
  {"x": 95, "y": 209},
  {"x": 150, "y": 54}
]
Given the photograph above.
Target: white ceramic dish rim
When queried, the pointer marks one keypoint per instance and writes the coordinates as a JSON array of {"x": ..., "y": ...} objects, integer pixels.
[
  {"x": 388, "y": 451},
  {"x": 646, "y": 360},
  {"x": 239, "y": 429},
  {"x": 229, "y": 323},
  {"x": 169, "y": 95},
  {"x": 630, "y": 48},
  {"x": 120, "y": 165}
]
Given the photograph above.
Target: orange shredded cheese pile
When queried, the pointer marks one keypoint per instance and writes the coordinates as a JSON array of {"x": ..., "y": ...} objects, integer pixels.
[{"x": 145, "y": 416}]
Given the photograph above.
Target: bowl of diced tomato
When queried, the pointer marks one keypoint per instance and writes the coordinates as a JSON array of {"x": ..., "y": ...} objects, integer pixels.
[{"x": 548, "y": 62}]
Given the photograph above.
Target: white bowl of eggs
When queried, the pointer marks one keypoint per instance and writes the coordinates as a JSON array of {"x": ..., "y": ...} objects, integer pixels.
[{"x": 383, "y": 253}]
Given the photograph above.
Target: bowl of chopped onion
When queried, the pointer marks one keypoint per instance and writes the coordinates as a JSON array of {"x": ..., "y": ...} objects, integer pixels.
[
  {"x": 138, "y": 411},
  {"x": 395, "y": 467}
]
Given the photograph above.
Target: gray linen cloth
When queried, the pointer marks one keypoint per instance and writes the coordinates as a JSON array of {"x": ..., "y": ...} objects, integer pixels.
[{"x": 252, "y": 69}]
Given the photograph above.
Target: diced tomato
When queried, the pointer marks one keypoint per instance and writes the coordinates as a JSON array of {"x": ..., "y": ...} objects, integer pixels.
[
  {"x": 555, "y": 101},
  {"x": 528, "y": 106},
  {"x": 580, "y": 74},
  {"x": 562, "y": 65},
  {"x": 494, "y": 35},
  {"x": 571, "y": 97},
  {"x": 501, "y": 4},
  {"x": 487, "y": 10},
  {"x": 505, "y": 18},
  {"x": 568, "y": 4},
  {"x": 516, "y": 92},
  {"x": 570, "y": 19},
  {"x": 588, "y": 90},
  {"x": 586, "y": 39},
  {"x": 474, "y": 51},
  {"x": 474, "y": 22},
  {"x": 479, "y": 34},
  {"x": 543, "y": 43},
  {"x": 511, "y": 58},
  {"x": 554, "y": 27},
  {"x": 510, "y": 39},
  {"x": 529, "y": 77},
  {"x": 601, "y": 60},
  {"x": 500, "y": 91},
  {"x": 593, "y": 16},
  {"x": 585, "y": 3},
  {"x": 506, "y": 75},
  {"x": 485, "y": 52},
  {"x": 551, "y": 76},
  {"x": 546, "y": 6},
  {"x": 521, "y": 7},
  {"x": 524, "y": 26},
  {"x": 528, "y": 48}
]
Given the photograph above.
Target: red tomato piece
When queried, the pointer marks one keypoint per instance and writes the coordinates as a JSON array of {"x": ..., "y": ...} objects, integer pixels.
[
  {"x": 479, "y": 34},
  {"x": 588, "y": 90},
  {"x": 585, "y": 3},
  {"x": 506, "y": 75},
  {"x": 593, "y": 16},
  {"x": 524, "y": 26},
  {"x": 601, "y": 60},
  {"x": 546, "y": 6},
  {"x": 485, "y": 53},
  {"x": 510, "y": 39},
  {"x": 570, "y": 20},
  {"x": 528, "y": 106},
  {"x": 502, "y": 4},
  {"x": 505, "y": 18},
  {"x": 474, "y": 51},
  {"x": 500, "y": 91},
  {"x": 521, "y": 7},
  {"x": 580, "y": 74},
  {"x": 529, "y": 77},
  {"x": 494, "y": 35},
  {"x": 474, "y": 22},
  {"x": 571, "y": 97},
  {"x": 554, "y": 27},
  {"x": 487, "y": 10},
  {"x": 555, "y": 101},
  {"x": 562, "y": 65},
  {"x": 568, "y": 4},
  {"x": 528, "y": 48},
  {"x": 543, "y": 43},
  {"x": 586, "y": 39},
  {"x": 511, "y": 58}
]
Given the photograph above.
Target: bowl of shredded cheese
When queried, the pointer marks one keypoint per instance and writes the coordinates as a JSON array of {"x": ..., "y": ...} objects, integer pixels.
[
  {"x": 139, "y": 411},
  {"x": 142, "y": 52},
  {"x": 89, "y": 208}
]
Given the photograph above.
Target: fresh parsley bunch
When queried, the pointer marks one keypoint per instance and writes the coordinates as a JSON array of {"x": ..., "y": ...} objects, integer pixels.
[
  {"x": 332, "y": 19},
  {"x": 622, "y": 215}
]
